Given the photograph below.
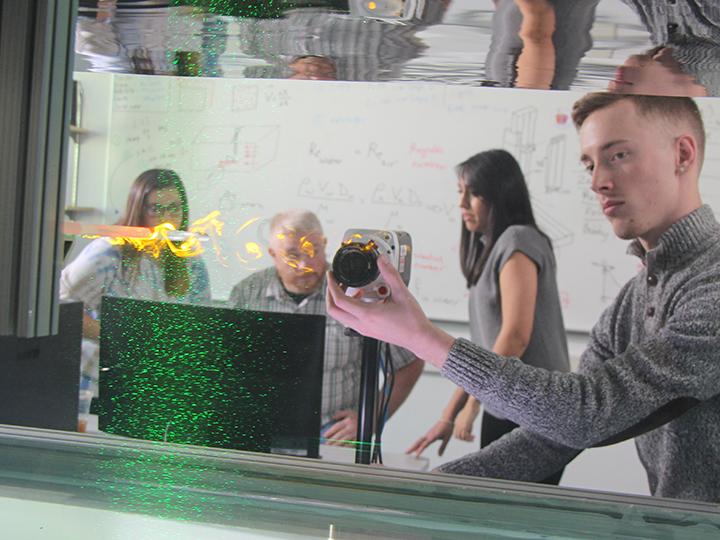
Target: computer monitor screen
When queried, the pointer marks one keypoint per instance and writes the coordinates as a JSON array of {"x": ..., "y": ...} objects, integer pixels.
[{"x": 211, "y": 376}]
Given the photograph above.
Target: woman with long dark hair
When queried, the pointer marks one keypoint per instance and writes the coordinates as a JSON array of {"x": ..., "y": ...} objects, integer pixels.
[
  {"x": 105, "y": 267},
  {"x": 509, "y": 267}
]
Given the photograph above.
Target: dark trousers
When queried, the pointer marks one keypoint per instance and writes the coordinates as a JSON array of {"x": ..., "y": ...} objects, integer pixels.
[{"x": 492, "y": 428}]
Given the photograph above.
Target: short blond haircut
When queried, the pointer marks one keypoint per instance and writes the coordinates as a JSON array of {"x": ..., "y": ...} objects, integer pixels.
[{"x": 670, "y": 109}]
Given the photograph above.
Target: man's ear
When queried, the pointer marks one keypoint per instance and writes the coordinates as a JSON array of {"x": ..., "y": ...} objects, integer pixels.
[
  {"x": 686, "y": 153},
  {"x": 271, "y": 252}
]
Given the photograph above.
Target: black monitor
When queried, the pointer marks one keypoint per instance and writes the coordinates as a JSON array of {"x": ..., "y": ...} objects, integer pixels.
[{"x": 211, "y": 376}]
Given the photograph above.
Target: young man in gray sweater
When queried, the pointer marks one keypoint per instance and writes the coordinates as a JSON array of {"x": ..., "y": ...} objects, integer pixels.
[{"x": 652, "y": 367}]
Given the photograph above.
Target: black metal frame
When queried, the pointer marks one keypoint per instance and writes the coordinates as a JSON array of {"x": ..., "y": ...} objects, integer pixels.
[{"x": 36, "y": 51}]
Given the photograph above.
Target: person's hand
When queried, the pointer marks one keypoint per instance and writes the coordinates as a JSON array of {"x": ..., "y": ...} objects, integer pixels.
[
  {"x": 344, "y": 431},
  {"x": 441, "y": 431},
  {"x": 398, "y": 319},
  {"x": 655, "y": 72},
  {"x": 466, "y": 420}
]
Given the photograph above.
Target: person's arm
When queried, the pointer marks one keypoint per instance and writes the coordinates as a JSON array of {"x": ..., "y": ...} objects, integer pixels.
[
  {"x": 607, "y": 396},
  {"x": 405, "y": 379},
  {"x": 398, "y": 319},
  {"x": 518, "y": 284},
  {"x": 519, "y": 455},
  {"x": 518, "y": 296},
  {"x": 441, "y": 430},
  {"x": 86, "y": 279},
  {"x": 536, "y": 62},
  {"x": 610, "y": 394}
]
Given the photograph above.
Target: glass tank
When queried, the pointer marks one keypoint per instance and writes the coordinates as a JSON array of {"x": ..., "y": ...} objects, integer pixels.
[{"x": 55, "y": 485}]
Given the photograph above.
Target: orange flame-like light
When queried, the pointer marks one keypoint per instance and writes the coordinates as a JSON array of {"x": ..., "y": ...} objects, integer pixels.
[
  {"x": 306, "y": 247},
  {"x": 252, "y": 249},
  {"x": 212, "y": 227},
  {"x": 160, "y": 238}
]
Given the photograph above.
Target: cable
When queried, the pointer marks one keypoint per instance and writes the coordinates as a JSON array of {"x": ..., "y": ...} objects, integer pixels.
[
  {"x": 388, "y": 370},
  {"x": 379, "y": 423}
]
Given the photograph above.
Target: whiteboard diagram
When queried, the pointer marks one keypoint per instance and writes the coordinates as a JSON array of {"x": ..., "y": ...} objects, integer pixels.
[
  {"x": 555, "y": 164},
  {"x": 235, "y": 149},
  {"x": 520, "y": 136},
  {"x": 560, "y": 234},
  {"x": 244, "y": 98}
]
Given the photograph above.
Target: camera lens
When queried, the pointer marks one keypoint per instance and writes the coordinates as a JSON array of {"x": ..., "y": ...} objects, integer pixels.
[{"x": 355, "y": 266}]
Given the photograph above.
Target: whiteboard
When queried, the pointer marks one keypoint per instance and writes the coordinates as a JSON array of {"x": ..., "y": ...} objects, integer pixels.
[{"x": 362, "y": 155}]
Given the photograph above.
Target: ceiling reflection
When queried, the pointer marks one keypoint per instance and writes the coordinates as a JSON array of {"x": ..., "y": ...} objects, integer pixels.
[{"x": 669, "y": 47}]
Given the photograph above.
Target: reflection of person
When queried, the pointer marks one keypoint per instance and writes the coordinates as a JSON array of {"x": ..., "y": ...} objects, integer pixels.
[
  {"x": 655, "y": 72},
  {"x": 156, "y": 196},
  {"x": 362, "y": 49},
  {"x": 296, "y": 284},
  {"x": 314, "y": 68},
  {"x": 684, "y": 61},
  {"x": 539, "y": 44},
  {"x": 163, "y": 40},
  {"x": 510, "y": 270},
  {"x": 650, "y": 370}
]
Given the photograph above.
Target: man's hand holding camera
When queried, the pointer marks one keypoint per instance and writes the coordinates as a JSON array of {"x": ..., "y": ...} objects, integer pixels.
[{"x": 397, "y": 319}]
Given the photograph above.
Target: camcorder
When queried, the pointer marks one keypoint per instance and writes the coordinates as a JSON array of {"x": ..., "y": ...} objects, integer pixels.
[{"x": 355, "y": 263}]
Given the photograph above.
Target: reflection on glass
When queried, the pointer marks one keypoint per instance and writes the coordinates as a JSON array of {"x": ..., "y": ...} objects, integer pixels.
[
  {"x": 249, "y": 148},
  {"x": 295, "y": 283},
  {"x": 555, "y": 44},
  {"x": 141, "y": 269},
  {"x": 686, "y": 56},
  {"x": 539, "y": 44},
  {"x": 656, "y": 72},
  {"x": 316, "y": 68},
  {"x": 125, "y": 37},
  {"x": 167, "y": 491}
]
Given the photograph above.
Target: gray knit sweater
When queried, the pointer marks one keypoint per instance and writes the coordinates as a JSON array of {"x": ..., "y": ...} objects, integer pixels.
[
  {"x": 651, "y": 370},
  {"x": 692, "y": 29}
]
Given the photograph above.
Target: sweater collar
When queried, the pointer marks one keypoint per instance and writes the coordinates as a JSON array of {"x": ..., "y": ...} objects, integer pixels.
[{"x": 683, "y": 238}]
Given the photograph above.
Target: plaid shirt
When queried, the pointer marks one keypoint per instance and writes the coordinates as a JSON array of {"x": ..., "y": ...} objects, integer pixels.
[{"x": 343, "y": 354}]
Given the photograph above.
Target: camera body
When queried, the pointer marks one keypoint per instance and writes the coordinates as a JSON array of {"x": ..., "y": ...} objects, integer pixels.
[{"x": 355, "y": 263}]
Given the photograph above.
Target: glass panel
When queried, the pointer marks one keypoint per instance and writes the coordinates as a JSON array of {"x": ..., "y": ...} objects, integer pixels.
[
  {"x": 626, "y": 45},
  {"x": 190, "y": 103},
  {"x": 156, "y": 491}
]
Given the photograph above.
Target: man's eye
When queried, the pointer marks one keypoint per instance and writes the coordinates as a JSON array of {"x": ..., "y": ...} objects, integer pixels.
[{"x": 619, "y": 155}]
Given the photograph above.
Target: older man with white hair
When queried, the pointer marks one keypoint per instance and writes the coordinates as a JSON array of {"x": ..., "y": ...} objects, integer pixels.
[{"x": 296, "y": 283}]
